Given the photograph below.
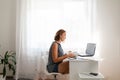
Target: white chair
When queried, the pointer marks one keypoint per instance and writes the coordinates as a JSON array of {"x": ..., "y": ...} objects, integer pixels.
[{"x": 45, "y": 60}]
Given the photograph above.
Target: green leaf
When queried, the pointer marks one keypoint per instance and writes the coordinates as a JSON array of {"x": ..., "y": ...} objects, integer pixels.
[
  {"x": 9, "y": 67},
  {"x": 2, "y": 60},
  {"x": 13, "y": 71},
  {"x": 13, "y": 60},
  {"x": 5, "y": 61},
  {"x": 11, "y": 54},
  {"x": 8, "y": 60},
  {"x": 12, "y": 67},
  {"x": 4, "y": 71},
  {"x": 6, "y": 54}
]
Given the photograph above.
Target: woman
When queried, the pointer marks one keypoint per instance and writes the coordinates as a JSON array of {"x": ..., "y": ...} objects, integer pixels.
[{"x": 56, "y": 55}]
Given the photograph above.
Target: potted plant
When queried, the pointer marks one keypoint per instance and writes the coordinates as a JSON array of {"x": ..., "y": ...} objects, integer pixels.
[{"x": 8, "y": 60}]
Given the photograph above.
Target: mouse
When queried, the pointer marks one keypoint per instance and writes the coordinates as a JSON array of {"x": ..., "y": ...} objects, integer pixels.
[{"x": 95, "y": 74}]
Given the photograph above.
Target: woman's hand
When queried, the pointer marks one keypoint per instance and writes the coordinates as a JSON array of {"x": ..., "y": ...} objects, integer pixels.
[{"x": 70, "y": 54}]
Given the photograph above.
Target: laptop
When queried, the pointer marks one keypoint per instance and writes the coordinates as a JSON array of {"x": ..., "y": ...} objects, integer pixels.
[{"x": 90, "y": 50}]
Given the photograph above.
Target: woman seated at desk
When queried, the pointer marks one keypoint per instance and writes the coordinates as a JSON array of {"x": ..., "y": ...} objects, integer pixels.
[{"x": 56, "y": 55}]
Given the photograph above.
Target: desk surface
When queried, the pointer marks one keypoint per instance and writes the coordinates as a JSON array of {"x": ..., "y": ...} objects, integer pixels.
[{"x": 83, "y": 59}]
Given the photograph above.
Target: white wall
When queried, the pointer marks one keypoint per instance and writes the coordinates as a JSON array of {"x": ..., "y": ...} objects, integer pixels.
[
  {"x": 7, "y": 25},
  {"x": 108, "y": 26}
]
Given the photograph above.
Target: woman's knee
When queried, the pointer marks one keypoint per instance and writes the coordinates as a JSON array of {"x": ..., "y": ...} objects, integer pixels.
[{"x": 63, "y": 67}]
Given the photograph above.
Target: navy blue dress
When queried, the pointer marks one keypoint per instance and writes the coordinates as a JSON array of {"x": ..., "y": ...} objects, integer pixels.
[{"x": 51, "y": 66}]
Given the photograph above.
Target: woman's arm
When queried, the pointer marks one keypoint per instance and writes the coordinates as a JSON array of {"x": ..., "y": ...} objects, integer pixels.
[{"x": 55, "y": 54}]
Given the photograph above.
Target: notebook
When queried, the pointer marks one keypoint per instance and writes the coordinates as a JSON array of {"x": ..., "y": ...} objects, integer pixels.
[{"x": 90, "y": 50}]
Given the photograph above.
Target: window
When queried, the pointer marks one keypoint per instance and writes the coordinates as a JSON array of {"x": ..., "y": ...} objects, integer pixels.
[{"x": 46, "y": 17}]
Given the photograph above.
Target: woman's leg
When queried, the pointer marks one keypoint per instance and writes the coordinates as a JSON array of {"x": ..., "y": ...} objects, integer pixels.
[{"x": 63, "y": 67}]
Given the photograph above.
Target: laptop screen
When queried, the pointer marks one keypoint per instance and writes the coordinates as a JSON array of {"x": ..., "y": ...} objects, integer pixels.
[{"x": 90, "y": 50}]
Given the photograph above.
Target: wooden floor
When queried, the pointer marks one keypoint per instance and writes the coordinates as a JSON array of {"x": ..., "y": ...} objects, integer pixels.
[
  {"x": 8, "y": 78},
  {"x": 22, "y": 79},
  {"x": 18, "y": 79},
  {"x": 11, "y": 78}
]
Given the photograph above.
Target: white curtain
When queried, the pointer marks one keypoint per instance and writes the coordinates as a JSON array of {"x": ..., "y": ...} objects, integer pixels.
[{"x": 37, "y": 23}]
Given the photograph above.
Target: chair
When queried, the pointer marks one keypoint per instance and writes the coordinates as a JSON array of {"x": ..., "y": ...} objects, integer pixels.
[{"x": 45, "y": 60}]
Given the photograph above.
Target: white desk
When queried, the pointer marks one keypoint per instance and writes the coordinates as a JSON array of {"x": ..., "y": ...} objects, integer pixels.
[{"x": 78, "y": 66}]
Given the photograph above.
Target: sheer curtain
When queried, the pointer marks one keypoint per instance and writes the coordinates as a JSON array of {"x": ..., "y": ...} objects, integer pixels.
[{"x": 37, "y": 23}]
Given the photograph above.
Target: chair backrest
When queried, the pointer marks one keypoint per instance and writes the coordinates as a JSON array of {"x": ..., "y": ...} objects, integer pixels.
[{"x": 45, "y": 61}]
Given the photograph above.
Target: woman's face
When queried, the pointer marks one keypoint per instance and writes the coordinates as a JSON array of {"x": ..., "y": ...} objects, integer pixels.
[{"x": 63, "y": 36}]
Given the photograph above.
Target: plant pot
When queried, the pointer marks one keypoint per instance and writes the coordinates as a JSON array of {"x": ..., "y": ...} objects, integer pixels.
[{"x": 1, "y": 77}]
